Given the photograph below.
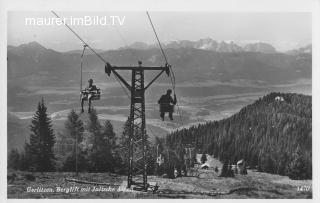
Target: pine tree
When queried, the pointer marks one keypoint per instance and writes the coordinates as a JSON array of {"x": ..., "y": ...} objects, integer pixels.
[
  {"x": 74, "y": 126},
  {"x": 108, "y": 133},
  {"x": 94, "y": 128},
  {"x": 39, "y": 150},
  {"x": 204, "y": 158},
  {"x": 74, "y": 130},
  {"x": 224, "y": 170},
  {"x": 297, "y": 169},
  {"x": 109, "y": 146},
  {"x": 100, "y": 156},
  {"x": 124, "y": 144}
]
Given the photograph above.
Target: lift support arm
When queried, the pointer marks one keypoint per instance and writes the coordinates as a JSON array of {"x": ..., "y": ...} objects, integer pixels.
[{"x": 109, "y": 68}]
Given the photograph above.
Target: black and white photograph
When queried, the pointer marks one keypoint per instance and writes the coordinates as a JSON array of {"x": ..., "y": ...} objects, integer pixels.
[{"x": 159, "y": 103}]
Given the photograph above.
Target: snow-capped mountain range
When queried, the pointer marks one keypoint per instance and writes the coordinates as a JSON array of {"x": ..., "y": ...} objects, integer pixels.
[
  {"x": 210, "y": 44},
  {"x": 227, "y": 46}
]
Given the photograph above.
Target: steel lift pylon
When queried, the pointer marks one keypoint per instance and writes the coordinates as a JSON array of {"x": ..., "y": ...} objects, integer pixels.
[{"x": 137, "y": 171}]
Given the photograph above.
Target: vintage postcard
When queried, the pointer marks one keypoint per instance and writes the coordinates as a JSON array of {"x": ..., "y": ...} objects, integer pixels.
[{"x": 159, "y": 103}]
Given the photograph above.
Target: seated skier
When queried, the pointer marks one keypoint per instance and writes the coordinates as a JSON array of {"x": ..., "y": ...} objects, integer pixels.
[
  {"x": 167, "y": 104},
  {"x": 88, "y": 94}
]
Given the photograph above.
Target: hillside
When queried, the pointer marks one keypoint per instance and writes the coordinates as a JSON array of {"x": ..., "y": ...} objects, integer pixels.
[
  {"x": 35, "y": 71},
  {"x": 208, "y": 185},
  {"x": 18, "y": 129},
  {"x": 30, "y": 61},
  {"x": 274, "y": 135}
]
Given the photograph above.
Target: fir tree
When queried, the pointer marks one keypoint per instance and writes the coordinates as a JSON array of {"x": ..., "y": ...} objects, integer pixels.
[
  {"x": 109, "y": 146},
  {"x": 39, "y": 150},
  {"x": 100, "y": 156},
  {"x": 124, "y": 144},
  {"x": 74, "y": 130},
  {"x": 109, "y": 135},
  {"x": 74, "y": 126},
  {"x": 226, "y": 170},
  {"x": 204, "y": 158},
  {"x": 297, "y": 169},
  {"x": 116, "y": 151}
]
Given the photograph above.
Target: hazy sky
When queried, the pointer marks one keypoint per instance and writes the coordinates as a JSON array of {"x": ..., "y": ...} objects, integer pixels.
[{"x": 283, "y": 30}]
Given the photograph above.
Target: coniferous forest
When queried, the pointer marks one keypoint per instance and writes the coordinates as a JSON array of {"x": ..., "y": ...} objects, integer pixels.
[
  {"x": 82, "y": 146},
  {"x": 273, "y": 135}
]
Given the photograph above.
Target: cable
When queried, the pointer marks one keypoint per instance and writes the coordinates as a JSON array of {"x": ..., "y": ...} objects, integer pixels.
[
  {"x": 79, "y": 37},
  {"x": 84, "y": 48},
  {"x": 123, "y": 88},
  {"x": 173, "y": 78},
  {"x": 86, "y": 44},
  {"x": 174, "y": 86},
  {"x": 154, "y": 30},
  {"x": 164, "y": 55},
  {"x": 126, "y": 44}
]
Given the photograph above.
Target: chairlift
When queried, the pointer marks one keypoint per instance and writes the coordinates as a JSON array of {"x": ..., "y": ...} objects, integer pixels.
[
  {"x": 91, "y": 92},
  {"x": 166, "y": 104},
  {"x": 166, "y": 107},
  {"x": 95, "y": 94}
]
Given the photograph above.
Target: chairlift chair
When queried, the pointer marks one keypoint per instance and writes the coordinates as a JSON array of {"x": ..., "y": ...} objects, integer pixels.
[
  {"x": 96, "y": 94},
  {"x": 166, "y": 107},
  {"x": 85, "y": 92}
]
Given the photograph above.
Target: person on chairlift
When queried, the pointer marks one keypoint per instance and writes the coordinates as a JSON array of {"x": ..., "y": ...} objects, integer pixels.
[
  {"x": 88, "y": 94},
  {"x": 167, "y": 104}
]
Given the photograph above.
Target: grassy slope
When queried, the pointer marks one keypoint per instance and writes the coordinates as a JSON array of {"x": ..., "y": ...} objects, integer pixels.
[{"x": 208, "y": 185}]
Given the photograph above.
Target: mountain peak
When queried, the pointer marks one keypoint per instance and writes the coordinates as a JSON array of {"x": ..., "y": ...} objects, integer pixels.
[
  {"x": 208, "y": 43},
  {"x": 32, "y": 50},
  {"x": 33, "y": 45}
]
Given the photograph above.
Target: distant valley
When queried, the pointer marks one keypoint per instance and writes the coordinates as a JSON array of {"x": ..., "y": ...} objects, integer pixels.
[{"x": 211, "y": 83}]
